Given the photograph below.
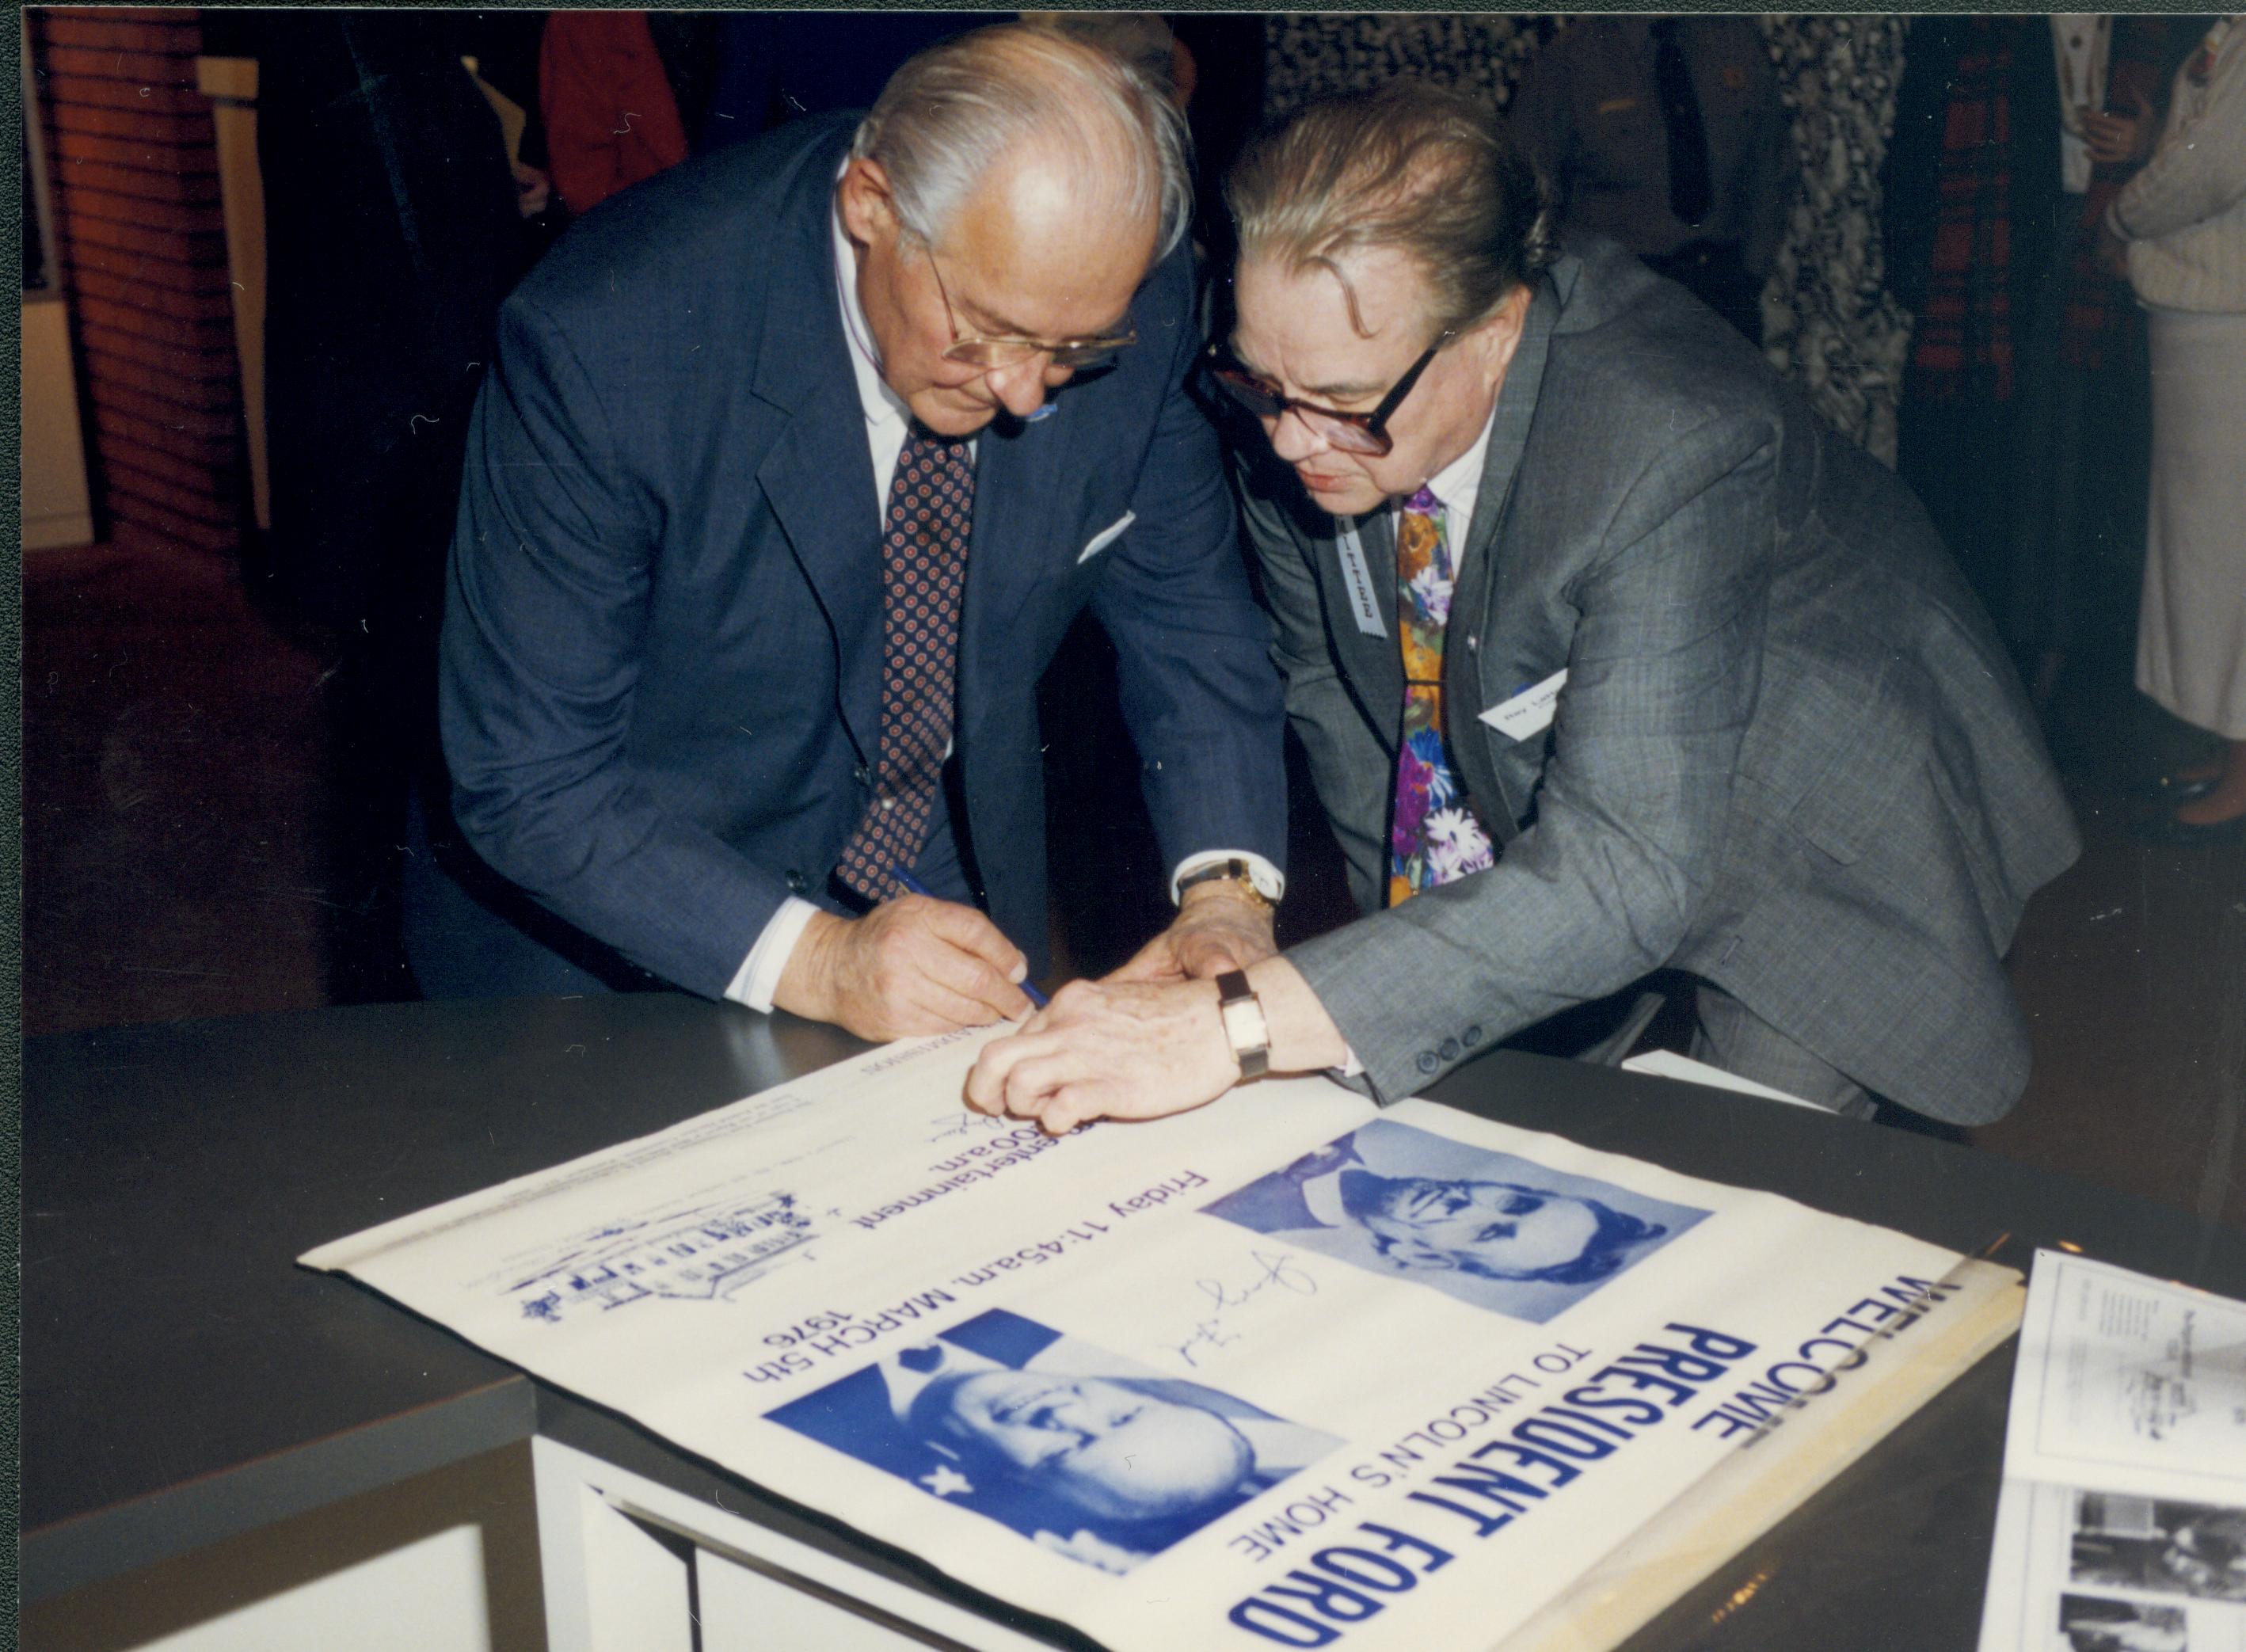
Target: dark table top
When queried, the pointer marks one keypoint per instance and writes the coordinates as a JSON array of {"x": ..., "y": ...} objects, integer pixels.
[{"x": 182, "y": 1380}]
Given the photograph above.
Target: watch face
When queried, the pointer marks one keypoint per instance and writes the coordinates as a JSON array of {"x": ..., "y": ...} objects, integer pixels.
[{"x": 1245, "y": 1026}]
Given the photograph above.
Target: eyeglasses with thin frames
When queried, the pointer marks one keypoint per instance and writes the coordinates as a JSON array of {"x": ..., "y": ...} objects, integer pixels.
[
  {"x": 1365, "y": 433},
  {"x": 975, "y": 349}
]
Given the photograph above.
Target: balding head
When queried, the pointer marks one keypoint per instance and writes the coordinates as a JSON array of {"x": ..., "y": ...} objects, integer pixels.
[{"x": 1017, "y": 95}]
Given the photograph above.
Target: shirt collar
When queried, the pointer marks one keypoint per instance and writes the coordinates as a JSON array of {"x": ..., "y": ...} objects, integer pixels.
[
  {"x": 881, "y": 404},
  {"x": 1458, "y": 482}
]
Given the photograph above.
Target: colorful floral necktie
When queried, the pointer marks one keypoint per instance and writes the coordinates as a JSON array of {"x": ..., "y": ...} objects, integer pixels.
[
  {"x": 1434, "y": 837},
  {"x": 923, "y": 575}
]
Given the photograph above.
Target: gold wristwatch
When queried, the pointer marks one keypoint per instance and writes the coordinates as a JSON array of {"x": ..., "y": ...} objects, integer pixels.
[{"x": 1233, "y": 871}]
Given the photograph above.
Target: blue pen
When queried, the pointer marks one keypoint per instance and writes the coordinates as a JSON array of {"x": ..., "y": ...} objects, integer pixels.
[{"x": 914, "y": 885}]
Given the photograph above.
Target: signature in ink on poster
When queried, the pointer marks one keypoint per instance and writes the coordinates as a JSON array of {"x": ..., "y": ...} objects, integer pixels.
[{"x": 1273, "y": 1272}]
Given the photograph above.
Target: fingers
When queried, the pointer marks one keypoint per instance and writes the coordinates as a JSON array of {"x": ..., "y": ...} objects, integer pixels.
[
  {"x": 1016, "y": 1075},
  {"x": 1156, "y": 961},
  {"x": 1211, "y": 949},
  {"x": 952, "y": 961},
  {"x": 972, "y": 932},
  {"x": 1203, "y": 957}
]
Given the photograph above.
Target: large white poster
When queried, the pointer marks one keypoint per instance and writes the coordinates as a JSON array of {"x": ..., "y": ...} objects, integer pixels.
[{"x": 1284, "y": 1371}]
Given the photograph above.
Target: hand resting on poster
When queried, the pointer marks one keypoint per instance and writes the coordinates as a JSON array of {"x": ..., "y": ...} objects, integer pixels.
[{"x": 1121, "y": 1049}]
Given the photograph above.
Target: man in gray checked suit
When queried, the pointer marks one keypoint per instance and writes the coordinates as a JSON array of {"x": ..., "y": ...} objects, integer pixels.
[{"x": 1609, "y": 658}]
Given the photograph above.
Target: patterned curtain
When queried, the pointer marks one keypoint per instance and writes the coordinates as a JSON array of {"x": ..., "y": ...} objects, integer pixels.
[{"x": 1828, "y": 321}]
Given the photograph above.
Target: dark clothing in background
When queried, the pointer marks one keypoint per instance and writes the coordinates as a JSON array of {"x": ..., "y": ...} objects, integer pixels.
[
  {"x": 775, "y": 65},
  {"x": 1589, "y": 112},
  {"x": 392, "y": 233},
  {"x": 2024, "y": 421}
]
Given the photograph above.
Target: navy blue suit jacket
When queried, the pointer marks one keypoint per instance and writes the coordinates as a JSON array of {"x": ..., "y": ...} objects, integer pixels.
[{"x": 662, "y": 653}]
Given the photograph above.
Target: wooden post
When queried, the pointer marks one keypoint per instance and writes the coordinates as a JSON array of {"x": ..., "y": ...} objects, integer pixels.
[{"x": 231, "y": 85}]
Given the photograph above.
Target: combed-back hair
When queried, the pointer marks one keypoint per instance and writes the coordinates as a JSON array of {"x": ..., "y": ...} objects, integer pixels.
[
  {"x": 1428, "y": 172},
  {"x": 964, "y": 105}
]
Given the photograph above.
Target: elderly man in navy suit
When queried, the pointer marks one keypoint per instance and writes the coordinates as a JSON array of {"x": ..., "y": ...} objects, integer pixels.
[{"x": 796, "y": 465}]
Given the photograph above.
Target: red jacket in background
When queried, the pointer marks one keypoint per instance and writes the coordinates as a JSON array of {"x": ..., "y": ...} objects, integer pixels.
[{"x": 610, "y": 117}]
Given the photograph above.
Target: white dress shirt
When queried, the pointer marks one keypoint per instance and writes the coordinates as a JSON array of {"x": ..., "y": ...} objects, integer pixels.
[
  {"x": 888, "y": 420},
  {"x": 1456, "y": 487}
]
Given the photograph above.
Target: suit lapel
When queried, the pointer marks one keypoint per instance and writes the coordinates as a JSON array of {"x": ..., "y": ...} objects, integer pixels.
[
  {"x": 1375, "y": 664},
  {"x": 818, "y": 476},
  {"x": 1480, "y": 598},
  {"x": 1019, "y": 472}
]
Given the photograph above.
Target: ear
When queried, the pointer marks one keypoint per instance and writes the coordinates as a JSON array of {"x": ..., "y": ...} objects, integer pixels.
[
  {"x": 869, "y": 208},
  {"x": 1497, "y": 336}
]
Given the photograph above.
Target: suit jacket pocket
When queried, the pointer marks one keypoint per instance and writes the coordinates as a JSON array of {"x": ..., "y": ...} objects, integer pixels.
[
  {"x": 1106, "y": 536},
  {"x": 1875, "y": 766}
]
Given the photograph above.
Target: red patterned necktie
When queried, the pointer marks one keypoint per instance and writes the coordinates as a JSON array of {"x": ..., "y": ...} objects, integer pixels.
[{"x": 923, "y": 574}]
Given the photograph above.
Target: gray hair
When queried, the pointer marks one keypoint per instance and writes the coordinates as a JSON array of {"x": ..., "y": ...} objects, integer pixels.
[
  {"x": 958, "y": 110},
  {"x": 1426, "y": 171}
]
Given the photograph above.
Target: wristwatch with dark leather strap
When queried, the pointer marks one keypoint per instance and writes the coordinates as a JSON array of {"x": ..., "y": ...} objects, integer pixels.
[{"x": 1242, "y": 1012}]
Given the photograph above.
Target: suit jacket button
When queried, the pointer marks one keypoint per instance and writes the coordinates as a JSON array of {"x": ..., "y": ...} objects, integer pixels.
[
  {"x": 797, "y": 883},
  {"x": 1449, "y": 1050},
  {"x": 1427, "y": 1061},
  {"x": 1471, "y": 1036},
  {"x": 862, "y": 775}
]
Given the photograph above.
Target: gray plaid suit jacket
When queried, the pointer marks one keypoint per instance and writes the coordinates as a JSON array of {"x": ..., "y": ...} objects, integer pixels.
[{"x": 1790, "y": 758}]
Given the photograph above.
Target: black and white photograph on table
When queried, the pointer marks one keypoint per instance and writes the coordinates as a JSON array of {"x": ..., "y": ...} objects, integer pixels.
[
  {"x": 2096, "y": 1623},
  {"x": 2160, "y": 1547}
]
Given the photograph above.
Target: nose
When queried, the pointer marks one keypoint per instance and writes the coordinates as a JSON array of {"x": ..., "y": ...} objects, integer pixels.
[
  {"x": 1292, "y": 437},
  {"x": 1021, "y": 388}
]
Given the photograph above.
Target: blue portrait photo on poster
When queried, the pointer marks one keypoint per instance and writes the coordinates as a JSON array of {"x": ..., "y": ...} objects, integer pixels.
[
  {"x": 1082, "y": 1452},
  {"x": 1493, "y": 1230}
]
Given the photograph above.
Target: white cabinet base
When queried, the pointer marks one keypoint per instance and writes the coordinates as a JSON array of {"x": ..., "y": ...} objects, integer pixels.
[{"x": 630, "y": 1563}]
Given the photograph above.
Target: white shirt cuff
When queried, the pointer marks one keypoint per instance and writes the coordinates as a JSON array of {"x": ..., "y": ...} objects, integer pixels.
[
  {"x": 1269, "y": 881},
  {"x": 759, "y": 977},
  {"x": 1352, "y": 1068}
]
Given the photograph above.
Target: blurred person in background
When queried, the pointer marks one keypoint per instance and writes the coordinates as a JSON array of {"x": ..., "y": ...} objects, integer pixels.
[
  {"x": 2182, "y": 220},
  {"x": 397, "y": 220},
  {"x": 620, "y": 91},
  {"x": 1666, "y": 134}
]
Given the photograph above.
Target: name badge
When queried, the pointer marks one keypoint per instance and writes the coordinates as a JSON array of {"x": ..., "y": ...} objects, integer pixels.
[
  {"x": 1358, "y": 577},
  {"x": 1529, "y": 712}
]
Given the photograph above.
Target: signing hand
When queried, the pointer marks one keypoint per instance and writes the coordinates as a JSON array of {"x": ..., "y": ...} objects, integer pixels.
[
  {"x": 1108, "y": 1049},
  {"x": 2118, "y": 140},
  {"x": 1219, "y": 927},
  {"x": 911, "y": 965}
]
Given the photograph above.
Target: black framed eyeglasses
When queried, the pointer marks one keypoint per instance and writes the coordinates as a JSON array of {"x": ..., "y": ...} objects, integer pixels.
[
  {"x": 1365, "y": 433},
  {"x": 974, "y": 350}
]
